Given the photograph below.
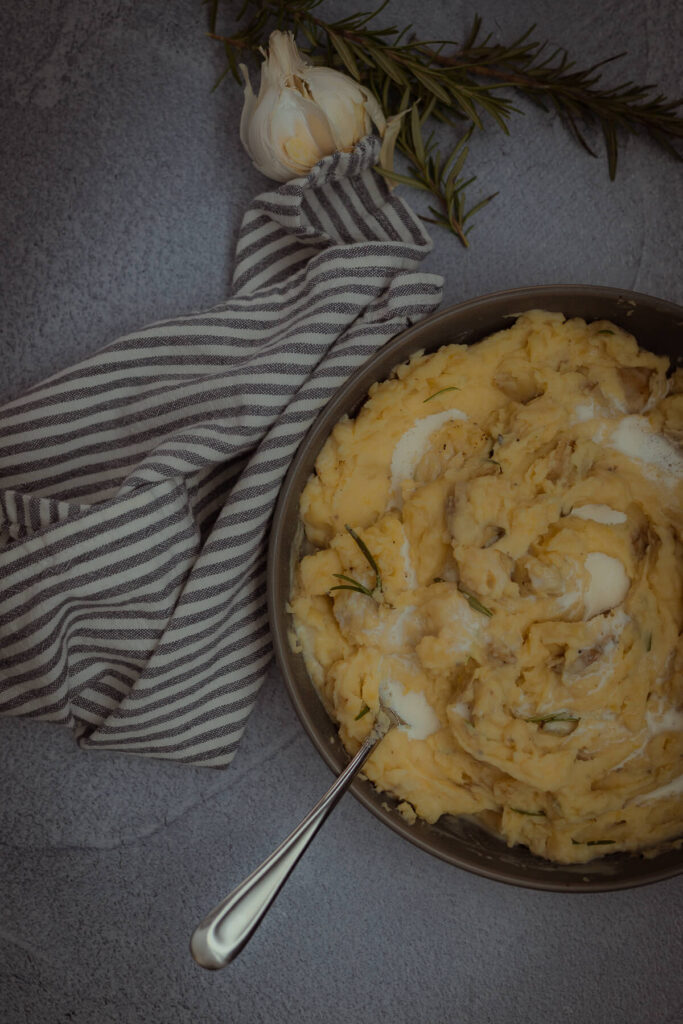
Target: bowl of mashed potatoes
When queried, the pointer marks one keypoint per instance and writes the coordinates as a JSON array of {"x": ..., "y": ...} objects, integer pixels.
[{"x": 483, "y": 529}]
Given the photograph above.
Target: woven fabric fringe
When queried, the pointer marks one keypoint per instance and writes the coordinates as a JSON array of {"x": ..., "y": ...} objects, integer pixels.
[{"x": 136, "y": 488}]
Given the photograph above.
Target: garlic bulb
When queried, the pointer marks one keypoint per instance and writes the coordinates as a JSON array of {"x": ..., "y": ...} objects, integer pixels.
[{"x": 302, "y": 113}]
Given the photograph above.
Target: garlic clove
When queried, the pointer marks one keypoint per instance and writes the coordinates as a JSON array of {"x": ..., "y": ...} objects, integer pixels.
[
  {"x": 248, "y": 110},
  {"x": 299, "y": 132},
  {"x": 283, "y": 57},
  {"x": 255, "y": 126},
  {"x": 350, "y": 108}
]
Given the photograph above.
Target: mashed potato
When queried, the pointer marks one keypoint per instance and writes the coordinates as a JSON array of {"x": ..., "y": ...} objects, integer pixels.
[{"x": 521, "y": 502}]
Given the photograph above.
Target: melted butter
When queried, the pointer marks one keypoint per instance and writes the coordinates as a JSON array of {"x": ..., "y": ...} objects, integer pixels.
[
  {"x": 600, "y": 514},
  {"x": 413, "y": 444},
  {"x": 608, "y": 584},
  {"x": 421, "y": 720},
  {"x": 635, "y": 438}
]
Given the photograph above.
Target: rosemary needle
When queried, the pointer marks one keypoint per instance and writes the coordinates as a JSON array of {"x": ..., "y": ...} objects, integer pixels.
[
  {"x": 442, "y": 392},
  {"x": 593, "y": 842},
  {"x": 475, "y": 603}
]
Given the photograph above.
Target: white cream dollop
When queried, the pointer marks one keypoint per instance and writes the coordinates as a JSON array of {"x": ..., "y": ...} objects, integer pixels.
[
  {"x": 608, "y": 584},
  {"x": 600, "y": 514},
  {"x": 413, "y": 444},
  {"x": 421, "y": 720},
  {"x": 635, "y": 438}
]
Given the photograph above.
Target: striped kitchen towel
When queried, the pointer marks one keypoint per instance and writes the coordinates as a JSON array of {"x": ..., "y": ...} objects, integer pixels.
[{"x": 136, "y": 488}]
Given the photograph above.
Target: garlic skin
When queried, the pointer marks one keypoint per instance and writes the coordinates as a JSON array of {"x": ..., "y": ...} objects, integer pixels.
[{"x": 302, "y": 113}]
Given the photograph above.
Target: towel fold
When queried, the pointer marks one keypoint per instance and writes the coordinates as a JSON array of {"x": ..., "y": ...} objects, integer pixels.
[{"x": 136, "y": 488}]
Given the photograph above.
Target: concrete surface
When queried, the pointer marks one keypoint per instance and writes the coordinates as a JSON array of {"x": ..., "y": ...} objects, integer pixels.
[{"x": 121, "y": 188}]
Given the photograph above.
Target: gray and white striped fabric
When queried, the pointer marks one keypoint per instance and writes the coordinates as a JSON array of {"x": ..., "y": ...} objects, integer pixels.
[{"x": 136, "y": 488}]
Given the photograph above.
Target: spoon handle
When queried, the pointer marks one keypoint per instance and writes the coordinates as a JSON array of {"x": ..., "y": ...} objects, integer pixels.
[{"x": 224, "y": 933}]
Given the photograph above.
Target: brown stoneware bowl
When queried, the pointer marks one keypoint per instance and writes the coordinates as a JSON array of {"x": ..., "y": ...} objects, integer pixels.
[{"x": 658, "y": 326}]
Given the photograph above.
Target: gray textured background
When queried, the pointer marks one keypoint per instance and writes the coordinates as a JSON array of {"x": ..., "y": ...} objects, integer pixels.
[{"x": 121, "y": 188}]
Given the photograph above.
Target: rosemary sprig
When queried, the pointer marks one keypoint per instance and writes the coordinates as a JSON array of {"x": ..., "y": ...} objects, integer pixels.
[
  {"x": 553, "y": 81},
  {"x": 349, "y": 583},
  {"x": 472, "y": 83},
  {"x": 441, "y": 176}
]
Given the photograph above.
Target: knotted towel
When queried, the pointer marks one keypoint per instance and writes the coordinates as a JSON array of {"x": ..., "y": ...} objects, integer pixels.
[{"x": 136, "y": 488}]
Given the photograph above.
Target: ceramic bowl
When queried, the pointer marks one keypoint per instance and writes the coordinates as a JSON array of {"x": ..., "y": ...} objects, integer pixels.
[{"x": 658, "y": 326}]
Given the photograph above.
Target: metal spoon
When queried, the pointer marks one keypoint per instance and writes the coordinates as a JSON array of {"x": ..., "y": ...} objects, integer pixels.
[{"x": 224, "y": 933}]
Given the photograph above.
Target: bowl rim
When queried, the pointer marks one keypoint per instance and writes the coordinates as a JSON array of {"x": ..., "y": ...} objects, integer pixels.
[{"x": 332, "y": 411}]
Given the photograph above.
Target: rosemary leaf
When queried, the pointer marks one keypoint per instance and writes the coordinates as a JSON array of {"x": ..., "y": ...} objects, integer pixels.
[
  {"x": 368, "y": 558},
  {"x": 442, "y": 392},
  {"x": 385, "y": 60},
  {"x": 213, "y": 13},
  {"x": 534, "y": 814},
  {"x": 346, "y": 54},
  {"x": 475, "y": 603},
  {"x": 350, "y": 584},
  {"x": 593, "y": 842},
  {"x": 556, "y": 716},
  {"x": 357, "y": 590},
  {"x": 415, "y": 127},
  {"x": 402, "y": 179},
  {"x": 226, "y": 71},
  {"x": 478, "y": 206},
  {"x": 363, "y": 711}
]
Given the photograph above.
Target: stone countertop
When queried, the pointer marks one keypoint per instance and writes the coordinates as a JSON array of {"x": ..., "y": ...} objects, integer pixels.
[{"x": 121, "y": 192}]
